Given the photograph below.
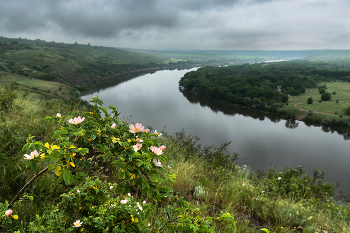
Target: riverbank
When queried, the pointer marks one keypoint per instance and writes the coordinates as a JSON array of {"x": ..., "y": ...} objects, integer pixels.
[{"x": 281, "y": 201}]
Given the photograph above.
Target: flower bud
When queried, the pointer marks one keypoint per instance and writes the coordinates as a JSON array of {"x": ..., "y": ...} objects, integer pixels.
[{"x": 8, "y": 212}]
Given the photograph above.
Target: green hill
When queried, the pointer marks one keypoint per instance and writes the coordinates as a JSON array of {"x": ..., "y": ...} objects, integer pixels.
[{"x": 73, "y": 63}]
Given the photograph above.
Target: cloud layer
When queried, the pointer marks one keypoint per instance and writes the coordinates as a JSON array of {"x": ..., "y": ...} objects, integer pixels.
[{"x": 182, "y": 24}]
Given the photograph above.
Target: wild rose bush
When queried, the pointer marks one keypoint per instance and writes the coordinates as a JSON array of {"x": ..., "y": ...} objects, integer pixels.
[{"x": 136, "y": 157}]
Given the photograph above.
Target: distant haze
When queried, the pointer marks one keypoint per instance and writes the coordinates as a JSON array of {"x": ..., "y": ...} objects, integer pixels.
[{"x": 182, "y": 24}]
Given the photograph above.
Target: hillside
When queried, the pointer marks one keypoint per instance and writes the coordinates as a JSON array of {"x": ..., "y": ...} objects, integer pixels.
[{"x": 73, "y": 63}]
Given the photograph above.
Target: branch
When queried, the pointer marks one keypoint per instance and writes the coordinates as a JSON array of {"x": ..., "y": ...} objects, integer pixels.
[
  {"x": 24, "y": 187},
  {"x": 76, "y": 213}
]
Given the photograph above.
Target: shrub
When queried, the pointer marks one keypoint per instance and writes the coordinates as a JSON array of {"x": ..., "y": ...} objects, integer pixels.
[
  {"x": 309, "y": 100},
  {"x": 322, "y": 90},
  {"x": 327, "y": 121},
  {"x": 310, "y": 112},
  {"x": 347, "y": 111},
  {"x": 326, "y": 96}
]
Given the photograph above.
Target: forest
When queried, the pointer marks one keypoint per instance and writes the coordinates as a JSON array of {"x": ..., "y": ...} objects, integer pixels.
[{"x": 263, "y": 86}]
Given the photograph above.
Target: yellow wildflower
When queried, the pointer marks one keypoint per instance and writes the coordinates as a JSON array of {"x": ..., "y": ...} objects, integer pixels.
[
  {"x": 15, "y": 216},
  {"x": 132, "y": 176}
]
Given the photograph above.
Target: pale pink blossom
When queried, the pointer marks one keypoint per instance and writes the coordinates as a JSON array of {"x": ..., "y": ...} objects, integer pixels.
[
  {"x": 32, "y": 155},
  {"x": 114, "y": 125},
  {"x": 124, "y": 201},
  {"x": 157, "y": 163},
  {"x": 78, "y": 191},
  {"x": 77, "y": 223},
  {"x": 58, "y": 114},
  {"x": 129, "y": 194},
  {"x": 156, "y": 150},
  {"x": 147, "y": 130},
  {"x": 110, "y": 187},
  {"x": 8, "y": 212},
  {"x": 279, "y": 178},
  {"x": 137, "y": 147},
  {"x": 162, "y": 147},
  {"x": 136, "y": 128},
  {"x": 76, "y": 120},
  {"x": 144, "y": 202}
]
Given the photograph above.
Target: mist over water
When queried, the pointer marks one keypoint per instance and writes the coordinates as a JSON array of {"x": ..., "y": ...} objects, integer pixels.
[{"x": 260, "y": 139}]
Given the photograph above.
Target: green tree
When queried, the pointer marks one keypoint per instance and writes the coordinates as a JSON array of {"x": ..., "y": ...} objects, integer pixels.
[
  {"x": 326, "y": 96},
  {"x": 310, "y": 100}
]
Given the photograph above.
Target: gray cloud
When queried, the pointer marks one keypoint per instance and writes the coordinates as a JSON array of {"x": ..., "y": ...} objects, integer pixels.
[{"x": 215, "y": 24}]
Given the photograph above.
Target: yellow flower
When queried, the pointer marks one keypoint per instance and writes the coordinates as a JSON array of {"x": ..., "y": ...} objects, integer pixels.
[
  {"x": 15, "y": 216},
  {"x": 132, "y": 176},
  {"x": 99, "y": 132},
  {"x": 89, "y": 139},
  {"x": 72, "y": 164},
  {"x": 72, "y": 146}
]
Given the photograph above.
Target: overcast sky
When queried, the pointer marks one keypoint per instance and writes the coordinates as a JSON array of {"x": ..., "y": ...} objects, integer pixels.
[{"x": 182, "y": 24}]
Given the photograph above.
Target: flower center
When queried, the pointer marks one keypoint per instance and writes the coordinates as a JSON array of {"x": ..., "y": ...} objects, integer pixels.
[{"x": 136, "y": 129}]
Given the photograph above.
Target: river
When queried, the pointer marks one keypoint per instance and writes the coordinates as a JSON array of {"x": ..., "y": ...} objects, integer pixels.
[{"x": 260, "y": 139}]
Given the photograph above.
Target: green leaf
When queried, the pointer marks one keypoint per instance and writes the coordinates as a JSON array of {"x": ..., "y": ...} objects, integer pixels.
[
  {"x": 148, "y": 211},
  {"x": 87, "y": 165},
  {"x": 104, "y": 110},
  {"x": 149, "y": 193},
  {"x": 121, "y": 175},
  {"x": 34, "y": 165},
  {"x": 47, "y": 118},
  {"x": 60, "y": 178},
  {"x": 119, "y": 190},
  {"x": 81, "y": 174},
  {"x": 155, "y": 178},
  {"x": 112, "y": 107},
  {"x": 37, "y": 147},
  {"x": 63, "y": 132},
  {"x": 67, "y": 176},
  {"x": 51, "y": 166}
]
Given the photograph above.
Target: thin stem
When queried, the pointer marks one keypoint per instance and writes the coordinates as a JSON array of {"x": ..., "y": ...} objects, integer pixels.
[{"x": 24, "y": 188}]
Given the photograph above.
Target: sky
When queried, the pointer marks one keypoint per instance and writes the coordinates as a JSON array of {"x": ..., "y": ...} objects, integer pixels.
[{"x": 182, "y": 24}]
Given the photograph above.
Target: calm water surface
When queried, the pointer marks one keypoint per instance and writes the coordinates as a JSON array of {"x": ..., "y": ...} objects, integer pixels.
[{"x": 260, "y": 139}]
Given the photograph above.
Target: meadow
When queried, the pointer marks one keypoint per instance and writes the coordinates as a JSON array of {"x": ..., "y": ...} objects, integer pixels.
[{"x": 341, "y": 93}]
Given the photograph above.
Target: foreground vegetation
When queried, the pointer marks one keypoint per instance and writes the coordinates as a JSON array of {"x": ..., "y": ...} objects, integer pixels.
[{"x": 217, "y": 192}]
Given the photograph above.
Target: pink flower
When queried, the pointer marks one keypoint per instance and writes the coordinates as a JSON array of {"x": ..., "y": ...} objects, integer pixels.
[
  {"x": 110, "y": 187},
  {"x": 137, "y": 147},
  {"x": 58, "y": 114},
  {"x": 124, "y": 201},
  {"x": 156, "y": 150},
  {"x": 78, "y": 191},
  {"x": 136, "y": 128},
  {"x": 147, "y": 130},
  {"x": 76, "y": 120},
  {"x": 32, "y": 155},
  {"x": 114, "y": 125},
  {"x": 8, "y": 212},
  {"x": 144, "y": 202},
  {"x": 129, "y": 194},
  {"x": 162, "y": 147},
  {"x": 77, "y": 223}
]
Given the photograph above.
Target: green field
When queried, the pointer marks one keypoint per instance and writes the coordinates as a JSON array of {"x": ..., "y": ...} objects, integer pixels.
[
  {"x": 342, "y": 94},
  {"x": 52, "y": 88}
]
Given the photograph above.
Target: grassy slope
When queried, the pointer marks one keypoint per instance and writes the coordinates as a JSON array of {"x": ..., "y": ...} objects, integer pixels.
[
  {"x": 54, "y": 89},
  {"x": 232, "y": 189},
  {"x": 65, "y": 61}
]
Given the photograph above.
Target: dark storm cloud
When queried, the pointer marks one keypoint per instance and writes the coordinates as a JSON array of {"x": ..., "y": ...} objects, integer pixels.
[
  {"x": 221, "y": 24},
  {"x": 94, "y": 18}
]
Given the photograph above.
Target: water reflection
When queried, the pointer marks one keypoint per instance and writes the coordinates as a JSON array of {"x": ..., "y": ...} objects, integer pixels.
[{"x": 291, "y": 124}]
